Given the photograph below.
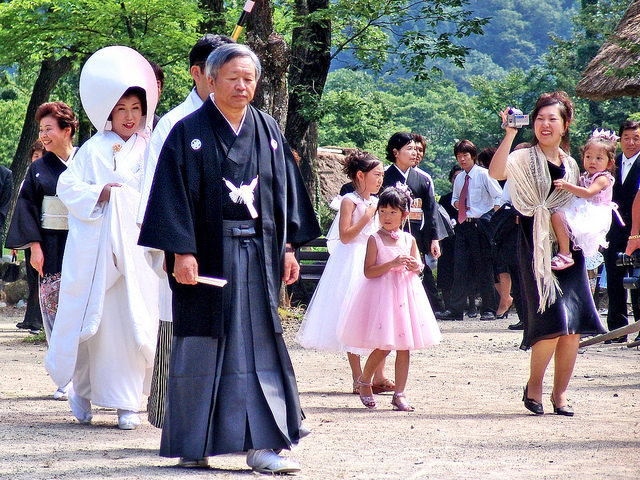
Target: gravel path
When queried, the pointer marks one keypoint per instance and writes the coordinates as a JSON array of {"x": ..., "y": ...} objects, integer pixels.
[{"x": 469, "y": 421}]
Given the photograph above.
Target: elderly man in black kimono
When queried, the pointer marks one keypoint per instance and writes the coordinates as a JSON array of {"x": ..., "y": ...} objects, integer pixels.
[{"x": 228, "y": 201}]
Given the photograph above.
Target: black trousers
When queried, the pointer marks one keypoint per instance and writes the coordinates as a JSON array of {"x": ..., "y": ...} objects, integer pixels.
[
  {"x": 472, "y": 261},
  {"x": 33, "y": 315},
  {"x": 617, "y": 316}
]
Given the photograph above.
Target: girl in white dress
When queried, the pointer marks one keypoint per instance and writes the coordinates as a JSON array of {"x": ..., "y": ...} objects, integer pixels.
[
  {"x": 347, "y": 244},
  {"x": 586, "y": 221}
]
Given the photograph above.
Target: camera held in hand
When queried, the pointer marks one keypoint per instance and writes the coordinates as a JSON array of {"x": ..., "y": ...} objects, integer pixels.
[
  {"x": 516, "y": 119},
  {"x": 632, "y": 262}
]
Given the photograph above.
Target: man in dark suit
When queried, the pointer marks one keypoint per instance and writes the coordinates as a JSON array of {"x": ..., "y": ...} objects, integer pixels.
[
  {"x": 424, "y": 219},
  {"x": 627, "y": 179}
]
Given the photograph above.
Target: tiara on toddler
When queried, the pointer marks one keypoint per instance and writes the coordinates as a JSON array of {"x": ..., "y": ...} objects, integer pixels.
[{"x": 605, "y": 135}]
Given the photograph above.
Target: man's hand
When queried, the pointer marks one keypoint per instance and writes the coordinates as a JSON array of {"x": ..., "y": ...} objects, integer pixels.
[
  {"x": 291, "y": 268},
  {"x": 435, "y": 248},
  {"x": 185, "y": 269}
]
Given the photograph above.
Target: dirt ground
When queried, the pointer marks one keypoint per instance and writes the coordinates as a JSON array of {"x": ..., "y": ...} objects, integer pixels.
[{"x": 469, "y": 421}]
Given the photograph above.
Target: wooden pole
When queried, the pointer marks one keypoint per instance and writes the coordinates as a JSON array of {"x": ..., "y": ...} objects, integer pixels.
[{"x": 618, "y": 332}]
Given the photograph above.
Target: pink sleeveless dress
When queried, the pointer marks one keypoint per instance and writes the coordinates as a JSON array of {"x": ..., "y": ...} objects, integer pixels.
[{"x": 390, "y": 312}]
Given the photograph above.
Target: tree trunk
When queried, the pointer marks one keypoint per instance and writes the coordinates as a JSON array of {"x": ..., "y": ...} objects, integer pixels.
[
  {"x": 51, "y": 70},
  {"x": 310, "y": 61},
  {"x": 271, "y": 95}
]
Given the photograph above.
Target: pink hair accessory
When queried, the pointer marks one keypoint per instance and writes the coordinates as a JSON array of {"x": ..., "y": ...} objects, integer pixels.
[
  {"x": 605, "y": 135},
  {"x": 404, "y": 188}
]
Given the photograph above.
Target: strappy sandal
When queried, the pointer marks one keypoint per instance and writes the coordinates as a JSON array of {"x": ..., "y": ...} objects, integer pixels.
[
  {"x": 399, "y": 402},
  {"x": 561, "y": 261},
  {"x": 384, "y": 386},
  {"x": 368, "y": 401}
]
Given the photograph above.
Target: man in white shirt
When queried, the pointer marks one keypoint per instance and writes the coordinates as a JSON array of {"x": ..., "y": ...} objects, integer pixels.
[
  {"x": 627, "y": 179},
  {"x": 475, "y": 194},
  {"x": 195, "y": 99}
]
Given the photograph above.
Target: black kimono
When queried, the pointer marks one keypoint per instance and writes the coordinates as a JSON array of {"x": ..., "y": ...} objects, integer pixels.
[
  {"x": 425, "y": 231},
  {"x": 231, "y": 383},
  {"x": 26, "y": 227},
  {"x": 26, "y": 223}
]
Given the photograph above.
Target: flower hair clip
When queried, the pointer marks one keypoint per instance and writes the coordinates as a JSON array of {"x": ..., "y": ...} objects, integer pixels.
[
  {"x": 605, "y": 135},
  {"x": 406, "y": 191}
]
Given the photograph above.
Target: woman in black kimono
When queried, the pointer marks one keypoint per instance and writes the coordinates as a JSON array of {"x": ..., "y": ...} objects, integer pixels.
[{"x": 39, "y": 221}]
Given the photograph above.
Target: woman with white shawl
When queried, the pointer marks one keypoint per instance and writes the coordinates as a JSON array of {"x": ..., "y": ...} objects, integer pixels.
[
  {"x": 558, "y": 305},
  {"x": 104, "y": 336}
]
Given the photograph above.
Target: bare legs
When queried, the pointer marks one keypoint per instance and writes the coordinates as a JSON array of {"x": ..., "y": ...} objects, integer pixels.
[
  {"x": 561, "y": 232},
  {"x": 356, "y": 369},
  {"x": 375, "y": 360},
  {"x": 565, "y": 349},
  {"x": 504, "y": 290}
]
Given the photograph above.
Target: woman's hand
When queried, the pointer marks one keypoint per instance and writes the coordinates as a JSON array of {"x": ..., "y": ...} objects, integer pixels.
[
  {"x": 37, "y": 258},
  {"x": 105, "y": 195},
  {"x": 498, "y": 166},
  {"x": 185, "y": 269},
  {"x": 504, "y": 115}
]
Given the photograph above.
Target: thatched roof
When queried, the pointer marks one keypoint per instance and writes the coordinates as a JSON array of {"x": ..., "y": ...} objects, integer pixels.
[
  {"x": 329, "y": 169},
  {"x": 599, "y": 80}
]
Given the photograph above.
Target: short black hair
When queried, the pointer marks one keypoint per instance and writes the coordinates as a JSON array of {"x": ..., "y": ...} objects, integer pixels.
[
  {"x": 466, "y": 146},
  {"x": 395, "y": 198},
  {"x": 396, "y": 142},
  {"x": 157, "y": 70},
  {"x": 203, "y": 47},
  {"x": 628, "y": 125}
]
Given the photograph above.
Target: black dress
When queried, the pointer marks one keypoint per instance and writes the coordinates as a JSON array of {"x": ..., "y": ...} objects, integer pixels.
[{"x": 573, "y": 311}]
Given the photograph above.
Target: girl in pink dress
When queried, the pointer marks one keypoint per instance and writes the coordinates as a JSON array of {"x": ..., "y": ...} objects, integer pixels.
[
  {"x": 587, "y": 219},
  {"x": 390, "y": 310},
  {"x": 347, "y": 244}
]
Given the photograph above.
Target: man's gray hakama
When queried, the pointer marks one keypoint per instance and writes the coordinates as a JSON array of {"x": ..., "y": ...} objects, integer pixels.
[{"x": 250, "y": 408}]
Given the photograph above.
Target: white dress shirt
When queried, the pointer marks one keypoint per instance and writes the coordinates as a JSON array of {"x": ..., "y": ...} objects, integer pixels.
[
  {"x": 625, "y": 165},
  {"x": 484, "y": 192}
]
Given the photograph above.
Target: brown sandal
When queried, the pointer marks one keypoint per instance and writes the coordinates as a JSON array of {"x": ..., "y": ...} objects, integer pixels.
[{"x": 383, "y": 387}]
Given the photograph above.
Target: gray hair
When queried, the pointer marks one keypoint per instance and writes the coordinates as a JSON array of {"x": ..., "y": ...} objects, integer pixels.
[{"x": 226, "y": 53}]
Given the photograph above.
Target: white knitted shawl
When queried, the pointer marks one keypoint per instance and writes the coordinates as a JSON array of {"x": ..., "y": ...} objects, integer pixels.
[{"x": 529, "y": 184}]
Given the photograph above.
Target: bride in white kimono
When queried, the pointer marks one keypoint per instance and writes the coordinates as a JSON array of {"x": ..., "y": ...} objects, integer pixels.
[{"x": 105, "y": 334}]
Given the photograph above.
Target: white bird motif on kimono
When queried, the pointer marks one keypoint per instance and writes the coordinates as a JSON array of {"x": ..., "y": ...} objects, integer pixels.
[{"x": 243, "y": 194}]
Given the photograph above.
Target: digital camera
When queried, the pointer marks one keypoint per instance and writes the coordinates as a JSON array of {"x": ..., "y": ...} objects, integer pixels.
[{"x": 516, "y": 119}]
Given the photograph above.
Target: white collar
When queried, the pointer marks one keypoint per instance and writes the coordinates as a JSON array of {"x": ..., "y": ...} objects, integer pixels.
[
  {"x": 404, "y": 174},
  {"x": 237, "y": 132},
  {"x": 68, "y": 160},
  {"x": 630, "y": 160}
]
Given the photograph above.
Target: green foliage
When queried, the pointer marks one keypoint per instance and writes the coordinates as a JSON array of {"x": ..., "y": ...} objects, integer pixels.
[
  {"x": 14, "y": 97},
  {"x": 31, "y": 30},
  {"x": 359, "y": 111}
]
